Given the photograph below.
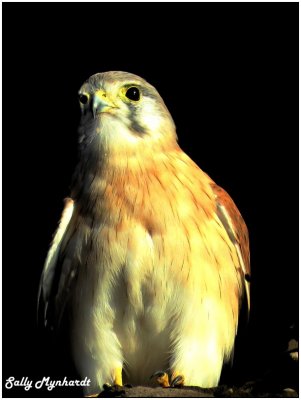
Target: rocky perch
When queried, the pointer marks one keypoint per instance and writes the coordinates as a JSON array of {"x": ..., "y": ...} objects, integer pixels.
[{"x": 250, "y": 389}]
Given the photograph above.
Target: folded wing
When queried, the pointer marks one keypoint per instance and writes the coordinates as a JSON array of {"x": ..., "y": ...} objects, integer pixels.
[
  {"x": 52, "y": 270},
  {"x": 237, "y": 231}
]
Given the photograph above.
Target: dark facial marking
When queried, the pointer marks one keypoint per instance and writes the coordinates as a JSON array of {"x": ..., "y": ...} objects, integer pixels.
[{"x": 135, "y": 126}]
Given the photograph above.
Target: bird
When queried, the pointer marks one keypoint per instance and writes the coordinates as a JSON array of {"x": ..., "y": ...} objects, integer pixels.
[{"x": 150, "y": 265}]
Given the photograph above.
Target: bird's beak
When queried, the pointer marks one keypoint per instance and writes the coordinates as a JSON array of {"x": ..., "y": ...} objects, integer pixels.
[{"x": 100, "y": 103}]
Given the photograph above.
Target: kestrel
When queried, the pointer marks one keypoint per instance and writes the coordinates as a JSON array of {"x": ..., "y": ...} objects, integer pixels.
[{"x": 150, "y": 264}]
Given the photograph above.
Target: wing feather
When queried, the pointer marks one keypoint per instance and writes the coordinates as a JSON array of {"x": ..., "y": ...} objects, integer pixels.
[
  {"x": 237, "y": 231},
  {"x": 50, "y": 266}
]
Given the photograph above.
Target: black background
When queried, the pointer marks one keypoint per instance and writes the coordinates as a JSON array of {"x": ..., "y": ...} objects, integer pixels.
[{"x": 229, "y": 76}]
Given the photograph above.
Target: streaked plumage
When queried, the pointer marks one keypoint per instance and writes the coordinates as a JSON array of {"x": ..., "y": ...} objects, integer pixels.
[{"x": 150, "y": 258}]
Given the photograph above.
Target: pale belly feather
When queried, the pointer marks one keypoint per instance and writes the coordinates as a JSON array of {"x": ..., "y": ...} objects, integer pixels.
[
  {"x": 141, "y": 303},
  {"x": 122, "y": 308}
]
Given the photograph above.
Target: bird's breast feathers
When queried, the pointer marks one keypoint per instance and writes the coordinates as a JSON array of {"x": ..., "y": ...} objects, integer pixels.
[{"x": 151, "y": 246}]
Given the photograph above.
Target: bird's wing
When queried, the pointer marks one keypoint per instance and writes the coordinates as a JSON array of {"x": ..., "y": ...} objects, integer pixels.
[
  {"x": 237, "y": 231},
  {"x": 50, "y": 269}
]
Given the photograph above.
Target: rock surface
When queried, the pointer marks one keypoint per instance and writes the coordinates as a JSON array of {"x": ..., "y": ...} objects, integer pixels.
[{"x": 250, "y": 389}]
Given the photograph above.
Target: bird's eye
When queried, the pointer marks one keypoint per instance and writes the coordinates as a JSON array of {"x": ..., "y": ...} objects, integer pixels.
[
  {"x": 83, "y": 98},
  {"x": 133, "y": 93}
]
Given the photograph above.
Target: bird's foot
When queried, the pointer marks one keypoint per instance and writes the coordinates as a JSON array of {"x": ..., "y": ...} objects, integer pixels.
[
  {"x": 177, "y": 380},
  {"x": 112, "y": 391},
  {"x": 109, "y": 391},
  {"x": 117, "y": 389},
  {"x": 162, "y": 378}
]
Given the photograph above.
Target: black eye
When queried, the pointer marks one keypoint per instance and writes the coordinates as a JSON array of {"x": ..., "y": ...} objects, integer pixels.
[
  {"x": 133, "y": 93},
  {"x": 83, "y": 98}
]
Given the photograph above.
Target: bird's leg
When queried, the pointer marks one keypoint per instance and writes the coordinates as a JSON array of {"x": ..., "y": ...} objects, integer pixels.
[
  {"x": 118, "y": 376},
  {"x": 117, "y": 389},
  {"x": 114, "y": 389}
]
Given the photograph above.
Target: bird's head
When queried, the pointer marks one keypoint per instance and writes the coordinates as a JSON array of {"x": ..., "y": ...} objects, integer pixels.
[{"x": 122, "y": 112}]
